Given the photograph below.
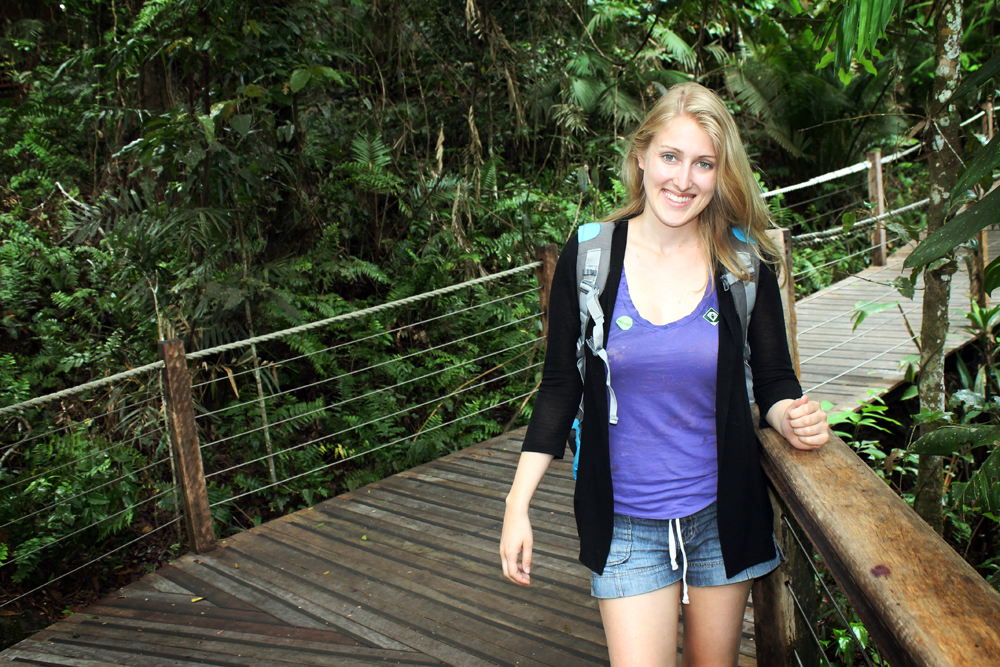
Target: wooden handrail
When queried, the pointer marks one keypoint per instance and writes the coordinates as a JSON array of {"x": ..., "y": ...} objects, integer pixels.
[{"x": 919, "y": 600}]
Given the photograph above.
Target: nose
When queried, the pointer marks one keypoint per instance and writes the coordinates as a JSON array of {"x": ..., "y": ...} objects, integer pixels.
[{"x": 683, "y": 177}]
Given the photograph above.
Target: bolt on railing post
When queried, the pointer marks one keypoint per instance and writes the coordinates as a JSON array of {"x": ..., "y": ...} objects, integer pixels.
[
  {"x": 876, "y": 196},
  {"x": 547, "y": 254},
  {"x": 783, "y": 238},
  {"x": 187, "y": 452},
  {"x": 780, "y": 632}
]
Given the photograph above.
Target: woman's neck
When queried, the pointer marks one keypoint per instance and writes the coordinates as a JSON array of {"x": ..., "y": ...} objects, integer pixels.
[{"x": 662, "y": 238}]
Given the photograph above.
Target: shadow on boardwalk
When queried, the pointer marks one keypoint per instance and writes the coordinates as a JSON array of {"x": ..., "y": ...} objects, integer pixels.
[{"x": 404, "y": 571}]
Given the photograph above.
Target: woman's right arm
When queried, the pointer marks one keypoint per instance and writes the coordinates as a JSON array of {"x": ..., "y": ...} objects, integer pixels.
[
  {"x": 552, "y": 415},
  {"x": 517, "y": 536}
]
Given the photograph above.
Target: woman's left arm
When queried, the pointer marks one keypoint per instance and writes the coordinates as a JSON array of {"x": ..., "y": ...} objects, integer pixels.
[{"x": 779, "y": 396}]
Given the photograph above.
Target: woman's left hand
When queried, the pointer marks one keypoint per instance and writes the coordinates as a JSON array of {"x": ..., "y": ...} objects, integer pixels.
[{"x": 804, "y": 424}]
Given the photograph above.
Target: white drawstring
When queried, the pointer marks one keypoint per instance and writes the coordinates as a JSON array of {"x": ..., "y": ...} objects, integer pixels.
[{"x": 676, "y": 525}]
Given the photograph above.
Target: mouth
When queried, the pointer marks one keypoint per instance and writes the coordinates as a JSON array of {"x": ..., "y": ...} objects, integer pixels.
[{"x": 678, "y": 199}]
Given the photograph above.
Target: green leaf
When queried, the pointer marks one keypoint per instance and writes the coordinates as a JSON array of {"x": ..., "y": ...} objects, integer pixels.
[
  {"x": 868, "y": 65},
  {"x": 992, "y": 276},
  {"x": 987, "y": 71},
  {"x": 208, "y": 124},
  {"x": 910, "y": 392},
  {"x": 983, "y": 489},
  {"x": 241, "y": 123},
  {"x": 960, "y": 229},
  {"x": 848, "y": 221},
  {"x": 863, "y": 310},
  {"x": 845, "y": 77},
  {"x": 952, "y": 439},
  {"x": 300, "y": 78},
  {"x": 253, "y": 90},
  {"x": 826, "y": 59},
  {"x": 981, "y": 166},
  {"x": 904, "y": 286}
]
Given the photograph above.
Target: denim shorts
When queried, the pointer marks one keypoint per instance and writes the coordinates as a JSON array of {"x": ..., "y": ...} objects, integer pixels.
[{"x": 639, "y": 561}]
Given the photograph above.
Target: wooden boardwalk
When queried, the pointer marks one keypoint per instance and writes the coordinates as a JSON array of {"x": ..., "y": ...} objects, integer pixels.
[
  {"x": 839, "y": 364},
  {"x": 404, "y": 571}
]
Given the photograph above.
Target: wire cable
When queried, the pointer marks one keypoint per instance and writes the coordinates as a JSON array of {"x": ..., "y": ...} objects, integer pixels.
[
  {"x": 369, "y": 337},
  {"x": 436, "y": 399},
  {"x": 88, "y": 564},
  {"x": 366, "y": 368},
  {"x": 809, "y": 624},
  {"x": 82, "y": 493},
  {"x": 369, "y": 394},
  {"x": 85, "y": 422},
  {"x": 840, "y": 173},
  {"x": 872, "y": 220},
  {"x": 49, "y": 471},
  {"x": 71, "y": 391},
  {"x": 829, "y": 595},
  {"x": 96, "y": 523},
  {"x": 864, "y": 363},
  {"x": 860, "y": 335},
  {"x": 822, "y": 196},
  {"x": 374, "y": 449}
]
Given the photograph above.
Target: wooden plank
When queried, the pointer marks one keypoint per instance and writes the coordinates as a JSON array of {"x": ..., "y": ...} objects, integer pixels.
[
  {"x": 881, "y": 557},
  {"x": 458, "y": 585},
  {"x": 414, "y": 629}
]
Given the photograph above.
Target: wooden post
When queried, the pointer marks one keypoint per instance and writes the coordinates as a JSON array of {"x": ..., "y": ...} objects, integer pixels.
[
  {"x": 187, "y": 453},
  {"x": 876, "y": 196},
  {"x": 781, "y": 633},
  {"x": 783, "y": 238},
  {"x": 547, "y": 254}
]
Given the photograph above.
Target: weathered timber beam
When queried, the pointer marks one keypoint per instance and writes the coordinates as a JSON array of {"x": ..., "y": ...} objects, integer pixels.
[{"x": 920, "y": 601}]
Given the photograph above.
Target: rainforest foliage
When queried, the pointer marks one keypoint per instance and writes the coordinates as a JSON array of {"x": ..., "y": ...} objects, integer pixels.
[{"x": 216, "y": 169}]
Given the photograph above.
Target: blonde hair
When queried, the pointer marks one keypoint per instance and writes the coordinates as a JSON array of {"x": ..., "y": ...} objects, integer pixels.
[{"x": 736, "y": 202}]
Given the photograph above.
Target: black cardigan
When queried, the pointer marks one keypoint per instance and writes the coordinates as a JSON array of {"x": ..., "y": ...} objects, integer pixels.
[{"x": 744, "y": 511}]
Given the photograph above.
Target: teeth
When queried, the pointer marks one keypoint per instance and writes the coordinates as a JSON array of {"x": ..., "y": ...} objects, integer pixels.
[{"x": 680, "y": 199}]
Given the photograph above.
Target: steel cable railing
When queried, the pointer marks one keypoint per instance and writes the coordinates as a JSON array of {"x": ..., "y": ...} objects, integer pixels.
[
  {"x": 373, "y": 449},
  {"x": 861, "y": 365},
  {"x": 91, "y": 562},
  {"x": 860, "y": 648},
  {"x": 199, "y": 354},
  {"x": 361, "y": 370},
  {"x": 59, "y": 540},
  {"x": 368, "y": 395},
  {"x": 49, "y": 471},
  {"x": 87, "y": 492},
  {"x": 374, "y": 335},
  {"x": 404, "y": 411}
]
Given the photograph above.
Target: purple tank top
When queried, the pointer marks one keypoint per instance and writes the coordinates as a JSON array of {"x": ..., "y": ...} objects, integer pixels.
[{"x": 663, "y": 449}]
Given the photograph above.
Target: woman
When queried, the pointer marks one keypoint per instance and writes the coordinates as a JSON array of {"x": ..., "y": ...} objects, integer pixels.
[{"x": 671, "y": 502}]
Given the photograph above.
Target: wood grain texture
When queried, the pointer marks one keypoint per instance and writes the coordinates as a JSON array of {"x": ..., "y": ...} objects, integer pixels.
[
  {"x": 403, "y": 571},
  {"x": 184, "y": 441},
  {"x": 921, "y": 602}
]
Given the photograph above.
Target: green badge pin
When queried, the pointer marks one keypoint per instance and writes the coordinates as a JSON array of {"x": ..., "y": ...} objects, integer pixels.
[
  {"x": 624, "y": 322},
  {"x": 712, "y": 317}
]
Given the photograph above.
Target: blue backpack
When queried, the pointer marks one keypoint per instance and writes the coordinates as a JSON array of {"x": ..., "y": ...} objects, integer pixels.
[{"x": 593, "y": 260}]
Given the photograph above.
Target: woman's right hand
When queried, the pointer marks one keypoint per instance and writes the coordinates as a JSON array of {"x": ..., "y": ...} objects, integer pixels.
[{"x": 516, "y": 540}]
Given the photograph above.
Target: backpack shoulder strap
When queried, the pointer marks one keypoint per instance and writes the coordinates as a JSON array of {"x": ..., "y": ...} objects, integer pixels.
[
  {"x": 744, "y": 294},
  {"x": 593, "y": 262}
]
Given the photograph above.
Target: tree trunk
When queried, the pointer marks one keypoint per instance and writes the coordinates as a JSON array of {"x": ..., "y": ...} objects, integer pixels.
[{"x": 943, "y": 169}]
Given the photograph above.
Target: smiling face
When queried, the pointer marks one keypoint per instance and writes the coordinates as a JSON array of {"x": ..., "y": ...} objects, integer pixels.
[{"x": 678, "y": 173}]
